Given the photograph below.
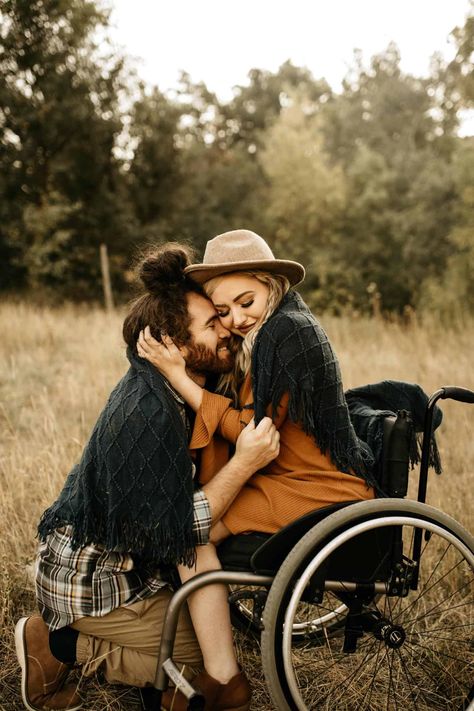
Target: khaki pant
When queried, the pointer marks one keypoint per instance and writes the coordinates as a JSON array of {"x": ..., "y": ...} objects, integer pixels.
[{"x": 124, "y": 644}]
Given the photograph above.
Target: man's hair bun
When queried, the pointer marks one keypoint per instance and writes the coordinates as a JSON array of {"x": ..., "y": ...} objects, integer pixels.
[{"x": 162, "y": 268}]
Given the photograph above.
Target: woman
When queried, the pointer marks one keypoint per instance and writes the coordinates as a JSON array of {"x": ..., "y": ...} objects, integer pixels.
[{"x": 284, "y": 367}]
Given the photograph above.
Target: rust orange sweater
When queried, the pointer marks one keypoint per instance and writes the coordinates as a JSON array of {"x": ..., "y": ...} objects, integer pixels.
[{"x": 299, "y": 480}]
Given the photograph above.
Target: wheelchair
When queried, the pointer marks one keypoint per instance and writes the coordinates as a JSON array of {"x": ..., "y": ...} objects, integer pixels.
[{"x": 363, "y": 606}]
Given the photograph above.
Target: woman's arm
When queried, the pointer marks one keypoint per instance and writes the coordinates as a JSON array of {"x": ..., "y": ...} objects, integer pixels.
[{"x": 214, "y": 412}]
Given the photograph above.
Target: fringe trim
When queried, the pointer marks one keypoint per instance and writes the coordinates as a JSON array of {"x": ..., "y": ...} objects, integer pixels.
[
  {"x": 168, "y": 545},
  {"x": 357, "y": 460},
  {"x": 434, "y": 460}
]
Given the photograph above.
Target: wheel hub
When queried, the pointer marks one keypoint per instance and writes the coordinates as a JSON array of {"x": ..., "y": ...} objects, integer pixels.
[{"x": 393, "y": 636}]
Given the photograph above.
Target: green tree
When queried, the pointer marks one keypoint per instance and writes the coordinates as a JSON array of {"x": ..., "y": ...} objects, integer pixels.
[
  {"x": 380, "y": 107},
  {"x": 185, "y": 182},
  {"x": 452, "y": 295},
  {"x": 305, "y": 196},
  {"x": 59, "y": 120},
  {"x": 460, "y": 68},
  {"x": 452, "y": 83},
  {"x": 400, "y": 193},
  {"x": 155, "y": 169},
  {"x": 223, "y": 189},
  {"x": 256, "y": 106}
]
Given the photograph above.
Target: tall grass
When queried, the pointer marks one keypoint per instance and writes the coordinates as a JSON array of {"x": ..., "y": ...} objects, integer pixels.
[{"x": 57, "y": 368}]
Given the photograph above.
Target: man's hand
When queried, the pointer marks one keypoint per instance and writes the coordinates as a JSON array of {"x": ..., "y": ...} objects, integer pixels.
[{"x": 257, "y": 446}]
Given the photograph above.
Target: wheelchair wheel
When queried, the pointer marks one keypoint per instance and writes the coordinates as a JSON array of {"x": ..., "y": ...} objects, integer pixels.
[
  {"x": 246, "y": 611},
  {"x": 402, "y": 648}
]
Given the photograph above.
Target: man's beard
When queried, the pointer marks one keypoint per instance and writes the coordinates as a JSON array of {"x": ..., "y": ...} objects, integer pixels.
[{"x": 201, "y": 359}]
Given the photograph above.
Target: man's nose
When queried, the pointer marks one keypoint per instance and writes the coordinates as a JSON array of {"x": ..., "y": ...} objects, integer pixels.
[{"x": 223, "y": 332}]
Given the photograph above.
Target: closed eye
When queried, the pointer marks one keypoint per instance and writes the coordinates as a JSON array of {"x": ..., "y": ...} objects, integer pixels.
[{"x": 247, "y": 304}]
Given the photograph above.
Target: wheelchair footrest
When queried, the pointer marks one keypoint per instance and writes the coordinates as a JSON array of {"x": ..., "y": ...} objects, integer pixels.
[{"x": 196, "y": 701}]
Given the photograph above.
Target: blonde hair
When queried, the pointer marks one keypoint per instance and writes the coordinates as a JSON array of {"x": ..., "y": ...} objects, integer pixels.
[{"x": 278, "y": 286}]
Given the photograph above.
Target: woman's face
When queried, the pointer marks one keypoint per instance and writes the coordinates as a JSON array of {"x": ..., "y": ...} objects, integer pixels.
[{"x": 240, "y": 300}]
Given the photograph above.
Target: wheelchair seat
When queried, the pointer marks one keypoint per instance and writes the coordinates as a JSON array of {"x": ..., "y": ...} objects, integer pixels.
[{"x": 263, "y": 553}]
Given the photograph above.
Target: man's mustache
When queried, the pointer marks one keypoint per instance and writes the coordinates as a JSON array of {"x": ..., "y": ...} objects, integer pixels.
[{"x": 231, "y": 342}]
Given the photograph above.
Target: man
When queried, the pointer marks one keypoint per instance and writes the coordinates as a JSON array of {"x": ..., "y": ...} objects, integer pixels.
[{"x": 129, "y": 511}]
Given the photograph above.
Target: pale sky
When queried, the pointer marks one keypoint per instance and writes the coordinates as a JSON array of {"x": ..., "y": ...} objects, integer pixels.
[{"x": 218, "y": 42}]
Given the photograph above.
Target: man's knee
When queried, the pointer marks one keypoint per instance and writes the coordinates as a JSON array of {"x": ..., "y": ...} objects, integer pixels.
[
  {"x": 125, "y": 644},
  {"x": 137, "y": 626}
]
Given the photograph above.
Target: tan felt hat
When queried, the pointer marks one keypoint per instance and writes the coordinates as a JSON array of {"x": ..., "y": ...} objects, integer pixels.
[{"x": 242, "y": 250}]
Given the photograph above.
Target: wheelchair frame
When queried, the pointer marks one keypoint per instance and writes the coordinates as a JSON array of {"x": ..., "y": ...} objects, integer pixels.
[{"x": 303, "y": 574}]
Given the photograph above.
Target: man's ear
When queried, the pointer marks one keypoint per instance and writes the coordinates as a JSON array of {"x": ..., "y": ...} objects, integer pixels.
[{"x": 166, "y": 338}]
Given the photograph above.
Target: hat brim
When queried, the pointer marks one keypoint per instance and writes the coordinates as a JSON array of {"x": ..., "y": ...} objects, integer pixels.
[{"x": 293, "y": 271}]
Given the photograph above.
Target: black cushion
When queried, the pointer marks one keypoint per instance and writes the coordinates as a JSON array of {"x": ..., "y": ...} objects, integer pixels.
[
  {"x": 236, "y": 552},
  {"x": 263, "y": 553}
]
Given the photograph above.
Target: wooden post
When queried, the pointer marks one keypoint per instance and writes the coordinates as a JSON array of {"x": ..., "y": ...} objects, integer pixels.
[
  {"x": 104, "y": 267},
  {"x": 375, "y": 300}
]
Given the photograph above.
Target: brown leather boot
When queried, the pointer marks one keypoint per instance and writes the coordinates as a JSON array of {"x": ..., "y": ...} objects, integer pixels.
[
  {"x": 233, "y": 696},
  {"x": 42, "y": 675}
]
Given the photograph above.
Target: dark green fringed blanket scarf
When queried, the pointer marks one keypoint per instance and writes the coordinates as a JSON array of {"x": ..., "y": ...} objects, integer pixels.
[
  {"x": 132, "y": 490},
  {"x": 292, "y": 354},
  {"x": 370, "y": 404}
]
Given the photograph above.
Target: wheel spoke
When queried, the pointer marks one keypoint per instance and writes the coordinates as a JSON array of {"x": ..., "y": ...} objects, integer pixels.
[
  {"x": 436, "y": 653},
  {"x": 412, "y": 683},
  {"x": 454, "y": 640},
  {"x": 447, "y": 548},
  {"x": 348, "y": 680},
  {"x": 431, "y": 611},
  {"x": 446, "y": 673},
  {"x": 338, "y": 655},
  {"x": 371, "y": 686},
  {"x": 425, "y": 591},
  {"x": 390, "y": 681},
  {"x": 450, "y": 609}
]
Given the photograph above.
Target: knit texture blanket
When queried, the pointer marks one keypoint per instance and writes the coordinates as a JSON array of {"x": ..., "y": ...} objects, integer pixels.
[
  {"x": 369, "y": 405},
  {"x": 132, "y": 490},
  {"x": 292, "y": 354}
]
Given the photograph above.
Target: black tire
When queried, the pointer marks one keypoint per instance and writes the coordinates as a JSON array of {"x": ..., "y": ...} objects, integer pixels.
[
  {"x": 308, "y": 629},
  {"x": 433, "y": 667},
  {"x": 242, "y": 601}
]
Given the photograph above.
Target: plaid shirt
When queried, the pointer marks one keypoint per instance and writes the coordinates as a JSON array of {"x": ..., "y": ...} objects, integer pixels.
[{"x": 91, "y": 581}]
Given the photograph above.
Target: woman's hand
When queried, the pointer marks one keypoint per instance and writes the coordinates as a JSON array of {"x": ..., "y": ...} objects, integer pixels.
[{"x": 165, "y": 356}]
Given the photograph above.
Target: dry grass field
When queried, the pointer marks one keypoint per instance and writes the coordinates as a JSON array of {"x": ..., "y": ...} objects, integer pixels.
[{"x": 56, "y": 370}]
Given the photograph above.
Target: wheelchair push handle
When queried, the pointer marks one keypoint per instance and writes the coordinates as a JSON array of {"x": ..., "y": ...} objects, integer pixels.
[
  {"x": 448, "y": 392},
  {"x": 453, "y": 392}
]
